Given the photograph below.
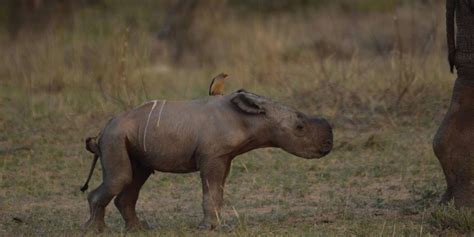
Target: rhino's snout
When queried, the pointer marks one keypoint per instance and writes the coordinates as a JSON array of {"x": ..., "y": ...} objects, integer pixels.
[{"x": 325, "y": 131}]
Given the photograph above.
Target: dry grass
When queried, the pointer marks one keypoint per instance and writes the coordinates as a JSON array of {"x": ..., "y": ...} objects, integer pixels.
[
  {"x": 448, "y": 217},
  {"x": 381, "y": 78}
]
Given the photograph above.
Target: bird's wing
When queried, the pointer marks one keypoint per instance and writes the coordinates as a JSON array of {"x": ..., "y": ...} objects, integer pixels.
[{"x": 210, "y": 86}]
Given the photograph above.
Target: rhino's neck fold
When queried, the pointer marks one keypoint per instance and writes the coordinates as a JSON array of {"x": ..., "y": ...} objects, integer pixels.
[{"x": 259, "y": 132}]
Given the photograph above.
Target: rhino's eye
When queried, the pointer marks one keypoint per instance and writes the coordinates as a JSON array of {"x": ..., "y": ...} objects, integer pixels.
[{"x": 299, "y": 130}]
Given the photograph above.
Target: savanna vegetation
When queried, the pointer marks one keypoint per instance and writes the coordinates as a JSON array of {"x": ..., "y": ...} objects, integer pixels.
[{"x": 377, "y": 70}]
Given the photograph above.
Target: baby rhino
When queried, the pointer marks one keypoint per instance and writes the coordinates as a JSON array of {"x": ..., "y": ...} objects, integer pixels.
[{"x": 198, "y": 135}]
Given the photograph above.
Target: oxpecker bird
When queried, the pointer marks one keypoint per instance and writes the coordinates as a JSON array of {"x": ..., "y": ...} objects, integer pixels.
[{"x": 217, "y": 84}]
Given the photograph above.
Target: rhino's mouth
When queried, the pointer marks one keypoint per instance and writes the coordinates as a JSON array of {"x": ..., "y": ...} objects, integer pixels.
[
  {"x": 313, "y": 155},
  {"x": 326, "y": 148},
  {"x": 321, "y": 152},
  {"x": 318, "y": 150}
]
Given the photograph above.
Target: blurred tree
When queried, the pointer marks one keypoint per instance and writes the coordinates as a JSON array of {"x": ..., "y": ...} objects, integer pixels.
[
  {"x": 176, "y": 27},
  {"x": 38, "y": 16},
  {"x": 188, "y": 24},
  {"x": 276, "y": 5}
]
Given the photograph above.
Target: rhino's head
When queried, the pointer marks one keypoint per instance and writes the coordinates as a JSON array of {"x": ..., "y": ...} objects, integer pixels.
[{"x": 289, "y": 129}]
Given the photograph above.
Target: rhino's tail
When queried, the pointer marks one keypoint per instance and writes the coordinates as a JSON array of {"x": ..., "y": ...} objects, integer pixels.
[{"x": 92, "y": 145}]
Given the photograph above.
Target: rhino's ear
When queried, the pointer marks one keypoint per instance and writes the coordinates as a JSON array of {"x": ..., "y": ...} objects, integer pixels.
[{"x": 248, "y": 103}]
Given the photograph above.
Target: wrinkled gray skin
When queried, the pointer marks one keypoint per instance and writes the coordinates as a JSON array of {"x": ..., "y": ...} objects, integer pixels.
[{"x": 198, "y": 135}]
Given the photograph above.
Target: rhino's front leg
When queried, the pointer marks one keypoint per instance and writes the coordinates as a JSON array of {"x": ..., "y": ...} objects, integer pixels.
[{"x": 213, "y": 174}]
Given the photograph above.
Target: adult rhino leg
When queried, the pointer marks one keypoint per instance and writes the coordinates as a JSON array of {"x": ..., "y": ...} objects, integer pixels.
[
  {"x": 117, "y": 173},
  {"x": 441, "y": 147},
  {"x": 454, "y": 145},
  {"x": 127, "y": 199},
  {"x": 214, "y": 171},
  {"x": 463, "y": 190}
]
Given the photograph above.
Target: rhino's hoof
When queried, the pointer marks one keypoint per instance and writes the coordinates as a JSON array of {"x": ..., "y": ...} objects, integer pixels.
[
  {"x": 140, "y": 226},
  {"x": 96, "y": 226},
  {"x": 145, "y": 225},
  {"x": 206, "y": 226},
  {"x": 225, "y": 228},
  {"x": 447, "y": 197}
]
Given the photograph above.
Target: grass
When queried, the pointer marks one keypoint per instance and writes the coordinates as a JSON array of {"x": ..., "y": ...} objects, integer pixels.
[
  {"x": 448, "y": 217},
  {"x": 383, "y": 83}
]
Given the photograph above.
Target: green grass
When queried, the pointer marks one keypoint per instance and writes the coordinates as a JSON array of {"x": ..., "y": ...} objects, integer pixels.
[{"x": 381, "y": 179}]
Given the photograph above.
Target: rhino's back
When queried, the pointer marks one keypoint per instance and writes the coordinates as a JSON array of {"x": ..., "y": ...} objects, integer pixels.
[{"x": 170, "y": 134}]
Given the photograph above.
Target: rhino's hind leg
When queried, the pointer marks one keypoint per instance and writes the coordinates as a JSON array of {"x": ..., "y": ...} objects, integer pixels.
[
  {"x": 127, "y": 199},
  {"x": 117, "y": 173},
  {"x": 97, "y": 204}
]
